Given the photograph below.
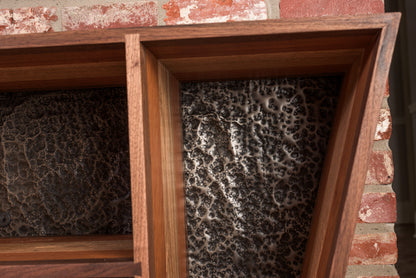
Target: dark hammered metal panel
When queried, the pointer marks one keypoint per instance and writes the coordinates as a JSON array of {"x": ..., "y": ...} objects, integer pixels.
[
  {"x": 64, "y": 163},
  {"x": 253, "y": 153}
]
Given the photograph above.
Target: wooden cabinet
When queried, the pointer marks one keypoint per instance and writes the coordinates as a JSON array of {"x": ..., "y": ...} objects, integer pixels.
[{"x": 152, "y": 62}]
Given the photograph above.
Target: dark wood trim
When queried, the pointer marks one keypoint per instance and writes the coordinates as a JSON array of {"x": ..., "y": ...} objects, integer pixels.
[
  {"x": 141, "y": 183},
  {"x": 203, "y": 31},
  {"x": 66, "y": 248},
  {"x": 72, "y": 270}
]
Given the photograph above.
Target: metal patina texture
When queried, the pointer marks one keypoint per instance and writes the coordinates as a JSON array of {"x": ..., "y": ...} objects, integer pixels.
[
  {"x": 253, "y": 154},
  {"x": 64, "y": 163}
]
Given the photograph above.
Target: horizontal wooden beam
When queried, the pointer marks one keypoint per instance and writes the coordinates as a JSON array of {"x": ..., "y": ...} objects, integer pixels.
[
  {"x": 213, "y": 30},
  {"x": 72, "y": 270},
  {"x": 66, "y": 248}
]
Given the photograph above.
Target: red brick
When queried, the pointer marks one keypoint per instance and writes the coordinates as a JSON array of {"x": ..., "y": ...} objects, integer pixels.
[
  {"x": 27, "y": 20},
  {"x": 387, "y": 92},
  {"x": 380, "y": 168},
  {"x": 378, "y": 207},
  {"x": 110, "y": 16},
  {"x": 376, "y": 249},
  {"x": 206, "y": 11},
  {"x": 383, "y": 131},
  {"x": 307, "y": 8}
]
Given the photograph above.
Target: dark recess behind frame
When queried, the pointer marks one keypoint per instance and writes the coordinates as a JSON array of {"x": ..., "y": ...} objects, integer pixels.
[
  {"x": 64, "y": 163},
  {"x": 253, "y": 153}
]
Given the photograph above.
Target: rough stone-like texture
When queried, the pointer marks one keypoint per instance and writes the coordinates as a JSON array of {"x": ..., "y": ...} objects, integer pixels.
[
  {"x": 378, "y": 207},
  {"x": 384, "y": 128},
  {"x": 308, "y": 8},
  {"x": 380, "y": 248},
  {"x": 27, "y": 20},
  {"x": 110, "y": 16},
  {"x": 64, "y": 163},
  {"x": 380, "y": 168},
  {"x": 253, "y": 152},
  {"x": 206, "y": 11}
]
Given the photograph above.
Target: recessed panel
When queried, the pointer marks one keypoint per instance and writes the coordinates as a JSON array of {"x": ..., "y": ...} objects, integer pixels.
[
  {"x": 64, "y": 163},
  {"x": 253, "y": 154}
]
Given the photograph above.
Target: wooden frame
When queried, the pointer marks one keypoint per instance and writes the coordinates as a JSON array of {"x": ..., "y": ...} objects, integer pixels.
[{"x": 158, "y": 59}]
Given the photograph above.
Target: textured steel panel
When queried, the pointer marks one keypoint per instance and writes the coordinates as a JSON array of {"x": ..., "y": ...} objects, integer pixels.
[{"x": 253, "y": 153}]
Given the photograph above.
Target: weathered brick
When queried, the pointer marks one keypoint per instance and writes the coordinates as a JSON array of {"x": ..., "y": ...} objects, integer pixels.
[
  {"x": 387, "y": 92},
  {"x": 6, "y": 19},
  {"x": 378, "y": 207},
  {"x": 369, "y": 249},
  {"x": 206, "y": 11},
  {"x": 380, "y": 168},
  {"x": 27, "y": 20},
  {"x": 306, "y": 8},
  {"x": 117, "y": 15},
  {"x": 383, "y": 131}
]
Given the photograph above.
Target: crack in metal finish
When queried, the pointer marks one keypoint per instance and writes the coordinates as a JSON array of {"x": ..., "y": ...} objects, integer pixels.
[
  {"x": 253, "y": 153},
  {"x": 64, "y": 163}
]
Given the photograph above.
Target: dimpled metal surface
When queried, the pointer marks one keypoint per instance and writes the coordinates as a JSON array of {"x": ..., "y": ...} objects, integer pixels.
[
  {"x": 253, "y": 153},
  {"x": 64, "y": 163}
]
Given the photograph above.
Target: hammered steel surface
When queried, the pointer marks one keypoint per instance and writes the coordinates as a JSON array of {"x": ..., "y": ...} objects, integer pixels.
[
  {"x": 64, "y": 163},
  {"x": 253, "y": 153}
]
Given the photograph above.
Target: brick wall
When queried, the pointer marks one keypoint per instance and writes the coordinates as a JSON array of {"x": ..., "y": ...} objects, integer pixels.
[{"x": 374, "y": 250}]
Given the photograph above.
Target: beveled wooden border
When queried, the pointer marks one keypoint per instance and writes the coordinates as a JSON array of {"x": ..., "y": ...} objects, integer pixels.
[
  {"x": 361, "y": 52},
  {"x": 159, "y": 58}
]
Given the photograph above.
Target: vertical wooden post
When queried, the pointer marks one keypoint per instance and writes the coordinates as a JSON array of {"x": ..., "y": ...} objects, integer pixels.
[
  {"x": 147, "y": 167},
  {"x": 139, "y": 158},
  {"x": 171, "y": 136}
]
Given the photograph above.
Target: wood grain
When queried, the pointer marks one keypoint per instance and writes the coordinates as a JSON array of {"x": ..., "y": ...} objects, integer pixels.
[
  {"x": 178, "y": 168},
  {"x": 322, "y": 258},
  {"x": 214, "y": 30},
  {"x": 261, "y": 65},
  {"x": 168, "y": 175},
  {"x": 62, "y": 72},
  {"x": 333, "y": 175},
  {"x": 345, "y": 169},
  {"x": 259, "y": 44},
  {"x": 62, "y": 84},
  {"x": 62, "y": 67},
  {"x": 155, "y": 148},
  {"x": 69, "y": 51},
  {"x": 63, "y": 55},
  {"x": 172, "y": 180},
  {"x": 377, "y": 65},
  {"x": 71, "y": 270},
  {"x": 141, "y": 189},
  {"x": 66, "y": 248}
]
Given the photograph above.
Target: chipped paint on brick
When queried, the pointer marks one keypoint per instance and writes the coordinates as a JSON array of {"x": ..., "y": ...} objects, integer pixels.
[
  {"x": 118, "y": 15},
  {"x": 27, "y": 20},
  {"x": 378, "y": 207},
  {"x": 384, "y": 128},
  {"x": 6, "y": 19},
  {"x": 380, "y": 168},
  {"x": 375, "y": 249},
  {"x": 209, "y": 11},
  {"x": 307, "y": 8}
]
